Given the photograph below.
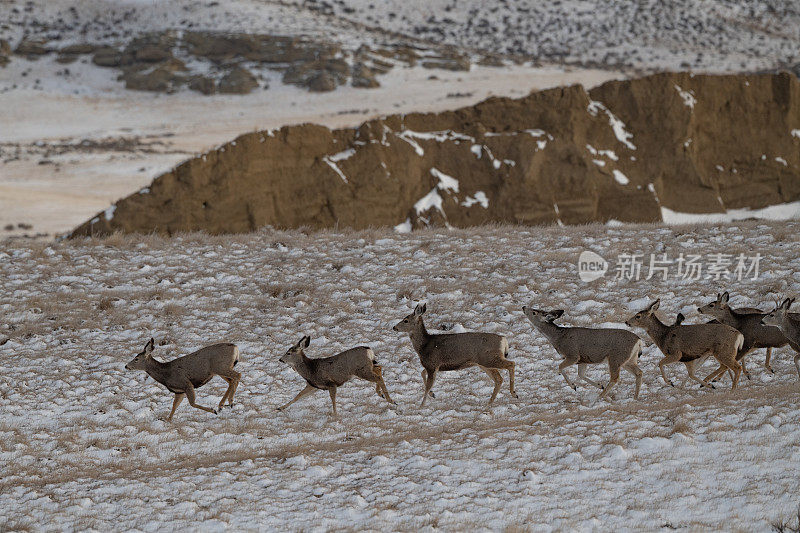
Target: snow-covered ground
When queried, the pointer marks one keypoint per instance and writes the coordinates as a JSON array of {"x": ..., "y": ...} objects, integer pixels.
[
  {"x": 84, "y": 443},
  {"x": 709, "y": 35}
]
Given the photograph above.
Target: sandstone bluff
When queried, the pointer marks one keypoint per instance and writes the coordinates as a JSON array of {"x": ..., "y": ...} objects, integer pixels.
[{"x": 621, "y": 151}]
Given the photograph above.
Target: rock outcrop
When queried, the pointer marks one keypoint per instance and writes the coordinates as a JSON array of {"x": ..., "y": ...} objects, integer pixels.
[{"x": 620, "y": 151}]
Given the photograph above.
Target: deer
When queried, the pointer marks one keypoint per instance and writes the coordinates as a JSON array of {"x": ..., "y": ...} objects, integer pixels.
[
  {"x": 748, "y": 322},
  {"x": 445, "y": 352},
  {"x": 688, "y": 343},
  {"x": 589, "y": 346},
  {"x": 329, "y": 373},
  {"x": 781, "y": 318},
  {"x": 183, "y": 375}
]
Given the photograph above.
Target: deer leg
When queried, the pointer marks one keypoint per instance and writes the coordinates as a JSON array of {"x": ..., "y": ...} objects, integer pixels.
[
  {"x": 797, "y": 363},
  {"x": 582, "y": 374},
  {"x": 768, "y": 360},
  {"x": 634, "y": 369},
  {"x": 305, "y": 392},
  {"x": 375, "y": 375},
  {"x": 225, "y": 396},
  {"x": 717, "y": 373},
  {"x": 690, "y": 367},
  {"x": 569, "y": 361},
  {"x": 430, "y": 377},
  {"x": 189, "y": 391},
  {"x": 668, "y": 359},
  {"x": 377, "y": 371},
  {"x": 424, "y": 379},
  {"x": 175, "y": 403},
  {"x": 232, "y": 377},
  {"x": 498, "y": 381},
  {"x": 611, "y": 382},
  {"x": 332, "y": 392},
  {"x": 509, "y": 365}
]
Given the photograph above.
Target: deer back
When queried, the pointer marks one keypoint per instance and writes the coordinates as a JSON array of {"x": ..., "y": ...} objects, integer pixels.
[{"x": 450, "y": 351}]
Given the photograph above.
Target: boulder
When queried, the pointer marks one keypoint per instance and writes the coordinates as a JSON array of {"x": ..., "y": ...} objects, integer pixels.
[
  {"x": 203, "y": 84},
  {"x": 238, "y": 81},
  {"x": 107, "y": 56},
  {"x": 32, "y": 48},
  {"x": 364, "y": 77}
]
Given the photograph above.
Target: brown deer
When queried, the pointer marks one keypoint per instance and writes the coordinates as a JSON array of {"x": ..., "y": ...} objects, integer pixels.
[
  {"x": 780, "y": 317},
  {"x": 443, "y": 352},
  {"x": 329, "y": 373},
  {"x": 589, "y": 346},
  {"x": 183, "y": 375},
  {"x": 756, "y": 334},
  {"x": 688, "y": 343}
]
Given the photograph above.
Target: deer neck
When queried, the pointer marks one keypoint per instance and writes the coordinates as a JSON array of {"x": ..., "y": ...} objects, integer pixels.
[
  {"x": 157, "y": 370},
  {"x": 419, "y": 336},
  {"x": 304, "y": 367},
  {"x": 656, "y": 329},
  {"x": 552, "y": 331},
  {"x": 731, "y": 317}
]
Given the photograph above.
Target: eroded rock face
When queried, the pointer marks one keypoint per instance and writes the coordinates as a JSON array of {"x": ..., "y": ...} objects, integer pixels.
[{"x": 621, "y": 151}]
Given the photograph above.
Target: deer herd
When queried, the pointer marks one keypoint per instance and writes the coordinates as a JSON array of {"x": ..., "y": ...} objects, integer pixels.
[{"x": 729, "y": 337}]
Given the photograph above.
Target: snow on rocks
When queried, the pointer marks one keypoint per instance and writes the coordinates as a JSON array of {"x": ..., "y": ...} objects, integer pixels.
[
  {"x": 616, "y": 124},
  {"x": 688, "y": 97}
]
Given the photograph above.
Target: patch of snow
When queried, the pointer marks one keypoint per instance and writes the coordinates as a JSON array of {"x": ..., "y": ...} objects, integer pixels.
[
  {"x": 782, "y": 161},
  {"x": 403, "y": 227},
  {"x": 335, "y": 168},
  {"x": 341, "y": 156},
  {"x": 432, "y": 199},
  {"x": 445, "y": 182},
  {"x": 795, "y": 133},
  {"x": 689, "y": 99},
  {"x": 788, "y": 211},
  {"x": 621, "y": 178},
  {"x": 616, "y": 124},
  {"x": 109, "y": 213},
  {"x": 479, "y": 198}
]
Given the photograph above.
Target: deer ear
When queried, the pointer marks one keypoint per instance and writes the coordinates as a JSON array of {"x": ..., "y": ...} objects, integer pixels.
[
  {"x": 148, "y": 348},
  {"x": 725, "y": 297},
  {"x": 420, "y": 309},
  {"x": 787, "y": 303},
  {"x": 557, "y": 313},
  {"x": 654, "y": 305},
  {"x": 305, "y": 341}
]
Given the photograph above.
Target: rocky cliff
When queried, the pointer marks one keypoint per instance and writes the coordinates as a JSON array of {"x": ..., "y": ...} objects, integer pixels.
[{"x": 621, "y": 151}]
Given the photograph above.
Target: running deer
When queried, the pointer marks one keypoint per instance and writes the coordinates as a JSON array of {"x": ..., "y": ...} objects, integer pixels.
[
  {"x": 748, "y": 322},
  {"x": 590, "y": 346},
  {"x": 328, "y": 373},
  {"x": 183, "y": 375},
  {"x": 781, "y": 318},
  {"x": 443, "y": 352},
  {"x": 688, "y": 343}
]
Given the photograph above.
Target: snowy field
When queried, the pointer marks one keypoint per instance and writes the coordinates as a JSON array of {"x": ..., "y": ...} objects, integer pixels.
[{"x": 84, "y": 443}]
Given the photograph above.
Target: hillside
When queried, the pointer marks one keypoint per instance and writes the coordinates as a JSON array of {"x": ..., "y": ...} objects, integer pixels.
[
  {"x": 84, "y": 444},
  {"x": 627, "y": 151}
]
